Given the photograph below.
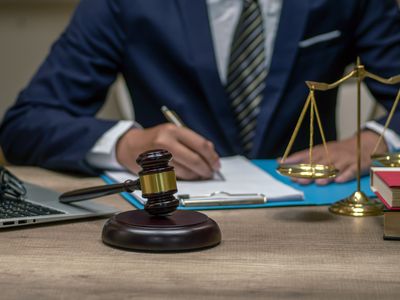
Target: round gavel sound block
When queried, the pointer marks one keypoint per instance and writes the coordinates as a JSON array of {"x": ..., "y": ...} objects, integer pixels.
[{"x": 159, "y": 227}]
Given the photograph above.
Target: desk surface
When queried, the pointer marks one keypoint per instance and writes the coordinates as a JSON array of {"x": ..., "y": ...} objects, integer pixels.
[{"x": 275, "y": 253}]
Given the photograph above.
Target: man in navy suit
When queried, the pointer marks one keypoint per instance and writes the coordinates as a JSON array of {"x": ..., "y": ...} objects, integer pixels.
[{"x": 186, "y": 55}]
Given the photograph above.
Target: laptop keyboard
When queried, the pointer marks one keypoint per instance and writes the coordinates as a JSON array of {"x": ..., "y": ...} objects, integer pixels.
[{"x": 19, "y": 208}]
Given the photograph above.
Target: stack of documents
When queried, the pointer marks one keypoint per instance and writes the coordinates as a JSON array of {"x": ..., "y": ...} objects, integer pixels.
[{"x": 244, "y": 184}]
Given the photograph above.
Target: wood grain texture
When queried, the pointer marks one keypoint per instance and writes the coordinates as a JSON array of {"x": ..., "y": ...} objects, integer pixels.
[{"x": 274, "y": 253}]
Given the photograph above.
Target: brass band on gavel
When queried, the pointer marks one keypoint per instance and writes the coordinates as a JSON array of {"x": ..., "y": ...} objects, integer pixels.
[{"x": 158, "y": 182}]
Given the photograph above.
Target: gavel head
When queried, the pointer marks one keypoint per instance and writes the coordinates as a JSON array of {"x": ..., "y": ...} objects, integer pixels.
[{"x": 158, "y": 182}]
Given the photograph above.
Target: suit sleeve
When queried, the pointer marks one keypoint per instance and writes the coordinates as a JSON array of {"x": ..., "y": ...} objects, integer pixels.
[
  {"x": 378, "y": 44},
  {"x": 52, "y": 124}
]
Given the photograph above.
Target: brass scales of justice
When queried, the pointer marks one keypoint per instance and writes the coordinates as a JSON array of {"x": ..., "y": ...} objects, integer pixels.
[{"x": 357, "y": 204}]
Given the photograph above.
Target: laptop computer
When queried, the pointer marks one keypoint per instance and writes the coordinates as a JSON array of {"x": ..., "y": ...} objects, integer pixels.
[{"x": 40, "y": 205}]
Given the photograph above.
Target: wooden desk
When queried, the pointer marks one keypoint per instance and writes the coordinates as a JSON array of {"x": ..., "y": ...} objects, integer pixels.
[{"x": 277, "y": 253}]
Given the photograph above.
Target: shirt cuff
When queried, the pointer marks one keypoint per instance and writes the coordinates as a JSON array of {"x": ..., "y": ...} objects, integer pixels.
[
  {"x": 103, "y": 153},
  {"x": 392, "y": 139}
]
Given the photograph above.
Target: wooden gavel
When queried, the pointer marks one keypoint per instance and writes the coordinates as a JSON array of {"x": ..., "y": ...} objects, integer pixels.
[
  {"x": 157, "y": 181},
  {"x": 160, "y": 227}
]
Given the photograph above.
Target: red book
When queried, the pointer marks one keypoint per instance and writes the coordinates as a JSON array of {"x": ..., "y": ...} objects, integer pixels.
[
  {"x": 385, "y": 182},
  {"x": 390, "y": 178}
]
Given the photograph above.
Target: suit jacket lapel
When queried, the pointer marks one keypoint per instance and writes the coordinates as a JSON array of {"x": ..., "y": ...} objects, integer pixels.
[
  {"x": 290, "y": 30},
  {"x": 197, "y": 27}
]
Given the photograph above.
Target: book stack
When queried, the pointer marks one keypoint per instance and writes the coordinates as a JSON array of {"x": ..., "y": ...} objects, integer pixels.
[{"x": 385, "y": 183}]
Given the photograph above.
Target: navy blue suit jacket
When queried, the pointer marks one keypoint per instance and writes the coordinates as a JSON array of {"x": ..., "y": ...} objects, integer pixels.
[{"x": 164, "y": 50}]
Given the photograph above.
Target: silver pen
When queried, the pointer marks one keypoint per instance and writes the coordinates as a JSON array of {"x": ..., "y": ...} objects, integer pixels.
[{"x": 173, "y": 118}]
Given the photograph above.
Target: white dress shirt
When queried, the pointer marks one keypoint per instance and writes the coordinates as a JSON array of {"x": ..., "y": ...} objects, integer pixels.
[{"x": 223, "y": 17}]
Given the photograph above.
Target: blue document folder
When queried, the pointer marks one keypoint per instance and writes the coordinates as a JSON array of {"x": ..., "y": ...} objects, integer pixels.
[{"x": 313, "y": 194}]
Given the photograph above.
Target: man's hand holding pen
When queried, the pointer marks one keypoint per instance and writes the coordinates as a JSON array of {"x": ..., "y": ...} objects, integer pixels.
[{"x": 194, "y": 156}]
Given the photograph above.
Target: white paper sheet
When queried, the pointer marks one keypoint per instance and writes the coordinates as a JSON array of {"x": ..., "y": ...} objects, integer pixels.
[{"x": 241, "y": 176}]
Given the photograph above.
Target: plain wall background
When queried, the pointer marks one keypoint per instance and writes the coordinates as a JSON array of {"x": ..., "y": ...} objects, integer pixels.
[
  {"x": 29, "y": 27},
  {"x": 27, "y": 30}
]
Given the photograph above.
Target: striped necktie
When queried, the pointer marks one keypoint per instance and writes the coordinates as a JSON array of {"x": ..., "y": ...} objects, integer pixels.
[{"x": 247, "y": 72}]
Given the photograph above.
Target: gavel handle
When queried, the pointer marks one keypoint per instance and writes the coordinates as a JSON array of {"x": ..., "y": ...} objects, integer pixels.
[{"x": 99, "y": 191}]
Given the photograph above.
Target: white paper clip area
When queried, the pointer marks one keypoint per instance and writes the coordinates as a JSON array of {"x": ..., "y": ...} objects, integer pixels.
[{"x": 221, "y": 198}]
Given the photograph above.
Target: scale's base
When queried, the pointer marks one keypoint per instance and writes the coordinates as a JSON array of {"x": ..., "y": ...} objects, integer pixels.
[
  {"x": 310, "y": 171},
  {"x": 357, "y": 205},
  {"x": 181, "y": 231},
  {"x": 391, "y": 160}
]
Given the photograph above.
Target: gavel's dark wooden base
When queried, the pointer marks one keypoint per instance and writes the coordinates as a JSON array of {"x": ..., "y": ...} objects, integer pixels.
[{"x": 181, "y": 231}]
